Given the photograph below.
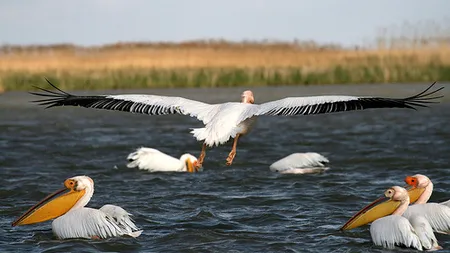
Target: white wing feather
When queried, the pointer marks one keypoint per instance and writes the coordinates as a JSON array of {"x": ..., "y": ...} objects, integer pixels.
[
  {"x": 425, "y": 232},
  {"x": 86, "y": 223},
  {"x": 159, "y": 105},
  {"x": 122, "y": 219},
  {"x": 394, "y": 230},
  {"x": 438, "y": 215},
  {"x": 153, "y": 160},
  {"x": 446, "y": 203},
  {"x": 226, "y": 123},
  {"x": 300, "y": 163}
]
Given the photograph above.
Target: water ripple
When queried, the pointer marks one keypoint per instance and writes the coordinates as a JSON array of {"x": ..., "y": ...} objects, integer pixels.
[{"x": 243, "y": 208}]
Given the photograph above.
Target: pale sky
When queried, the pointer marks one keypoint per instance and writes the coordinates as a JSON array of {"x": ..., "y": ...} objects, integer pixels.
[{"x": 95, "y": 22}]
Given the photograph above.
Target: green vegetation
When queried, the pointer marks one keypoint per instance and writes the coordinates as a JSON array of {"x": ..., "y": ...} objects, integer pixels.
[{"x": 226, "y": 77}]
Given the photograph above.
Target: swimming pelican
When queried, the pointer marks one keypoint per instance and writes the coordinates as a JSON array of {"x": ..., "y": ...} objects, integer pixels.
[
  {"x": 389, "y": 228},
  {"x": 438, "y": 214},
  {"x": 73, "y": 220},
  {"x": 154, "y": 160},
  {"x": 301, "y": 163},
  {"x": 231, "y": 119}
]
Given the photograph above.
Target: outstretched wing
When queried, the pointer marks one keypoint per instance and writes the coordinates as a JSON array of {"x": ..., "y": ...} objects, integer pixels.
[
  {"x": 328, "y": 104},
  {"x": 145, "y": 104}
]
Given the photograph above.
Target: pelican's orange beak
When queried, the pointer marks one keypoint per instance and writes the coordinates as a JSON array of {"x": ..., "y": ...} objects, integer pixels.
[
  {"x": 379, "y": 208},
  {"x": 53, "y": 206},
  {"x": 192, "y": 166},
  {"x": 413, "y": 191}
]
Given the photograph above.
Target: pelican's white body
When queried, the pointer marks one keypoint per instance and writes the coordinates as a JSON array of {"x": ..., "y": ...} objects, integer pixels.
[
  {"x": 154, "y": 160},
  {"x": 446, "y": 203},
  {"x": 301, "y": 163},
  {"x": 437, "y": 214},
  {"x": 396, "y": 230},
  {"x": 225, "y": 122},
  {"x": 85, "y": 222}
]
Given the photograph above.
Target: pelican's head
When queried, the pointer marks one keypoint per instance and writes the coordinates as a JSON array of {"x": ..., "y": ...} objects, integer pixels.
[
  {"x": 59, "y": 202},
  {"x": 191, "y": 163},
  {"x": 381, "y": 207},
  {"x": 247, "y": 97},
  {"x": 417, "y": 185}
]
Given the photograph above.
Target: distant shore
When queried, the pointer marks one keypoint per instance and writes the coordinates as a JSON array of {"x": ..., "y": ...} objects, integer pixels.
[{"x": 215, "y": 64}]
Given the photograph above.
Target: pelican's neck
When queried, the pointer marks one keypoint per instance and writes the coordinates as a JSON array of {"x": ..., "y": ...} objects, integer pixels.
[
  {"x": 402, "y": 207},
  {"x": 425, "y": 196},
  {"x": 82, "y": 202}
]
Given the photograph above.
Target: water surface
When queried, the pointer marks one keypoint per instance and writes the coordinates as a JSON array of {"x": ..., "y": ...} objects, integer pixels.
[{"x": 242, "y": 208}]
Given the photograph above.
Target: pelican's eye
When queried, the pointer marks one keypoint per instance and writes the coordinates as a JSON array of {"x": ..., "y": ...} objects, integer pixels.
[
  {"x": 389, "y": 193},
  {"x": 70, "y": 184}
]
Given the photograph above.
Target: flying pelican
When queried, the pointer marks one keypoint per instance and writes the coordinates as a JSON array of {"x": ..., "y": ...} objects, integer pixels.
[
  {"x": 73, "y": 220},
  {"x": 389, "y": 228},
  {"x": 231, "y": 119},
  {"x": 438, "y": 214},
  {"x": 300, "y": 163},
  {"x": 154, "y": 160}
]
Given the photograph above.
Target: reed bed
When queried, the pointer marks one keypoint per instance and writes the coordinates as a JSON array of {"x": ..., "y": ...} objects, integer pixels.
[{"x": 217, "y": 64}]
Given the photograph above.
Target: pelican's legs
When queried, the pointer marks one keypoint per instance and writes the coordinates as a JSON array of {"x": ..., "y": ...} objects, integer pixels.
[
  {"x": 202, "y": 156},
  {"x": 233, "y": 151}
]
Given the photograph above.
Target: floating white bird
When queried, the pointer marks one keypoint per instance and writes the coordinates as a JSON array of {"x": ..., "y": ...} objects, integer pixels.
[
  {"x": 438, "y": 214},
  {"x": 73, "y": 220},
  {"x": 231, "y": 119},
  {"x": 389, "y": 228},
  {"x": 300, "y": 163},
  {"x": 154, "y": 160}
]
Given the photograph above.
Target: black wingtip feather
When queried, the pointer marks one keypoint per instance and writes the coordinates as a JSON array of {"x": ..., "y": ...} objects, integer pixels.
[{"x": 54, "y": 86}]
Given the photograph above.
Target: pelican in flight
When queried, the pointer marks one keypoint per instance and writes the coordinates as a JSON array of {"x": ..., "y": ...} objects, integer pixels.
[
  {"x": 231, "y": 119},
  {"x": 154, "y": 160},
  {"x": 73, "y": 219},
  {"x": 301, "y": 163},
  {"x": 389, "y": 228},
  {"x": 438, "y": 214}
]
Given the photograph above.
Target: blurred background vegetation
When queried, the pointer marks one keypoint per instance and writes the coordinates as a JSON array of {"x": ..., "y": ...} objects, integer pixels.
[{"x": 417, "y": 52}]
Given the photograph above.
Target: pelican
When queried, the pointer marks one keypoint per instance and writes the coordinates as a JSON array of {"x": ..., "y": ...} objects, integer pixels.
[
  {"x": 389, "y": 228},
  {"x": 231, "y": 119},
  {"x": 73, "y": 219},
  {"x": 300, "y": 163},
  {"x": 421, "y": 189},
  {"x": 154, "y": 160},
  {"x": 438, "y": 214}
]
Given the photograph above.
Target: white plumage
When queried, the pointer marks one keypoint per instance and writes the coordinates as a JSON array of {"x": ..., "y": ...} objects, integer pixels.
[
  {"x": 230, "y": 120},
  {"x": 446, "y": 203},
  {"x": 74, "y": 220},
  {"x": 85, "y": 222},
  {"x": 396, "y": 230},
  {"x": 301, "y": 163},
  {"x": 92, "y": 223},
  {"x": 154, "y": 160},
  {"x": 437, "y": 215}
]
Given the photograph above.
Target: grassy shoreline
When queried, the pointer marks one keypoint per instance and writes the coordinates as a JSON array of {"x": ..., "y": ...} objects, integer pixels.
[{"x": 131, "y": 66}]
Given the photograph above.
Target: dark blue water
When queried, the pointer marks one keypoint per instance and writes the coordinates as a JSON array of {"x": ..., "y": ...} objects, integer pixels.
[{"x": 242, "y": 208}]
